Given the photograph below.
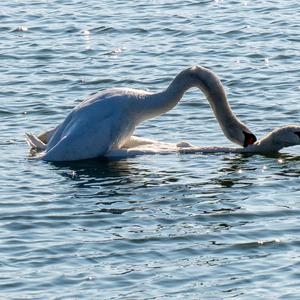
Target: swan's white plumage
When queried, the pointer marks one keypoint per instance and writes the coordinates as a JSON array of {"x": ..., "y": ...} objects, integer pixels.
[
  {"x": 100, "y": 124},
  {"x": 285, "y": 136},
  {"x": 277, "y": 139},
  {"x": 105, "y": 122},
  {"x": 34, "y": 142}
]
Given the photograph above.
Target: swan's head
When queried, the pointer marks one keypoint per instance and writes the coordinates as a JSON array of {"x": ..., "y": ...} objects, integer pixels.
[
  {"x": 279, "y": 138},
  {"x": 212, "y": 87},
  {"x": 238, "y": 133},
  {"x": 286, "y": 136}
]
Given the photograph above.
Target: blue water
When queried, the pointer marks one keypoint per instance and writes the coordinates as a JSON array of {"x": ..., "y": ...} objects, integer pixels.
[{"x": 156, "y": 227}]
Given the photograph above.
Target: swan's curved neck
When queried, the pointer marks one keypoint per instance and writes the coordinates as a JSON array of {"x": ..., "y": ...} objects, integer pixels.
[
  {"x": 211, "y": 86},
  {"x": 159, "y": 103}
]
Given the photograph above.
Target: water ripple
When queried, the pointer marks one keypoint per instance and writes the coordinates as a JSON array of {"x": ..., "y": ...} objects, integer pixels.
[{"x": 156, "y": 227}]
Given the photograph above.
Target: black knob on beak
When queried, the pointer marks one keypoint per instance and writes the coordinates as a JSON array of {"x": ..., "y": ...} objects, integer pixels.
[{"x": 249, "y": 139}]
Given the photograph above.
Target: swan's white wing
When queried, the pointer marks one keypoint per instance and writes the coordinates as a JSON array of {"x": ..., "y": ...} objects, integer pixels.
[
  {"x": 92, "y": 129},
  {"x": 83, "y": 139}
]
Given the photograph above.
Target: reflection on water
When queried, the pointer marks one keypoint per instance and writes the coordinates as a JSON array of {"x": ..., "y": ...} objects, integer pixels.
[{"x": 95, "y": 169}]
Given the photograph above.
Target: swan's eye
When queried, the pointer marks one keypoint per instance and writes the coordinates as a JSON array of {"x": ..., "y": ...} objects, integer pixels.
[
  {"x": 298, "y": 133},
  {"x": 249, "y": 139}
]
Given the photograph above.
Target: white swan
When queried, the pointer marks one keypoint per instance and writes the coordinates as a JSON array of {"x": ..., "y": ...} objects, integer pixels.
[
  {"x": 285, "y": 136},
  {"x": 106, "y": 121},
  {"x": 279, "y": 138}
]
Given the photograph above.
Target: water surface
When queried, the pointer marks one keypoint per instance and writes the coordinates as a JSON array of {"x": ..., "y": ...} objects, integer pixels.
[{"x": 172, "y": 226}]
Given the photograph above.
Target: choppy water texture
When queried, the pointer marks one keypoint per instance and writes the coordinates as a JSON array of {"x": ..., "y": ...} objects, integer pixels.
[{"x": 158, "y": 227}]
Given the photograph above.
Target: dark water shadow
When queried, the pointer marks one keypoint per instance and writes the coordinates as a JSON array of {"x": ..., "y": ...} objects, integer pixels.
[
  {"x": 126, "y": 167},
  {"x": 95, "y": 168}
]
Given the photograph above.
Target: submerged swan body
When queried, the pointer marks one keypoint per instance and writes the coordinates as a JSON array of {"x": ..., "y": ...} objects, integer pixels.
[
  {"x": 106, "y": 121},
  {"x": 279, "y": 138}
]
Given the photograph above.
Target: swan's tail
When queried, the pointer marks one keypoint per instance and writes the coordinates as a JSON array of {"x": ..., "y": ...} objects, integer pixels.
[{"x": 34, "y": 142}]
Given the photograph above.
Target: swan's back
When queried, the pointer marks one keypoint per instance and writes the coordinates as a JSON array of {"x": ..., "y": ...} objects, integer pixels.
[{"x": 101, "y": 123}]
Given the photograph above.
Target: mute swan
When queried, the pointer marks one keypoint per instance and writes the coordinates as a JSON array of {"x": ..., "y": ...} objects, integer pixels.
[
  {"x": 285, "y": 136},
  {"x": 282, "y": 137},
  {"x": 279, "y": 138},
  {"x": 105, "y": 122}
]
